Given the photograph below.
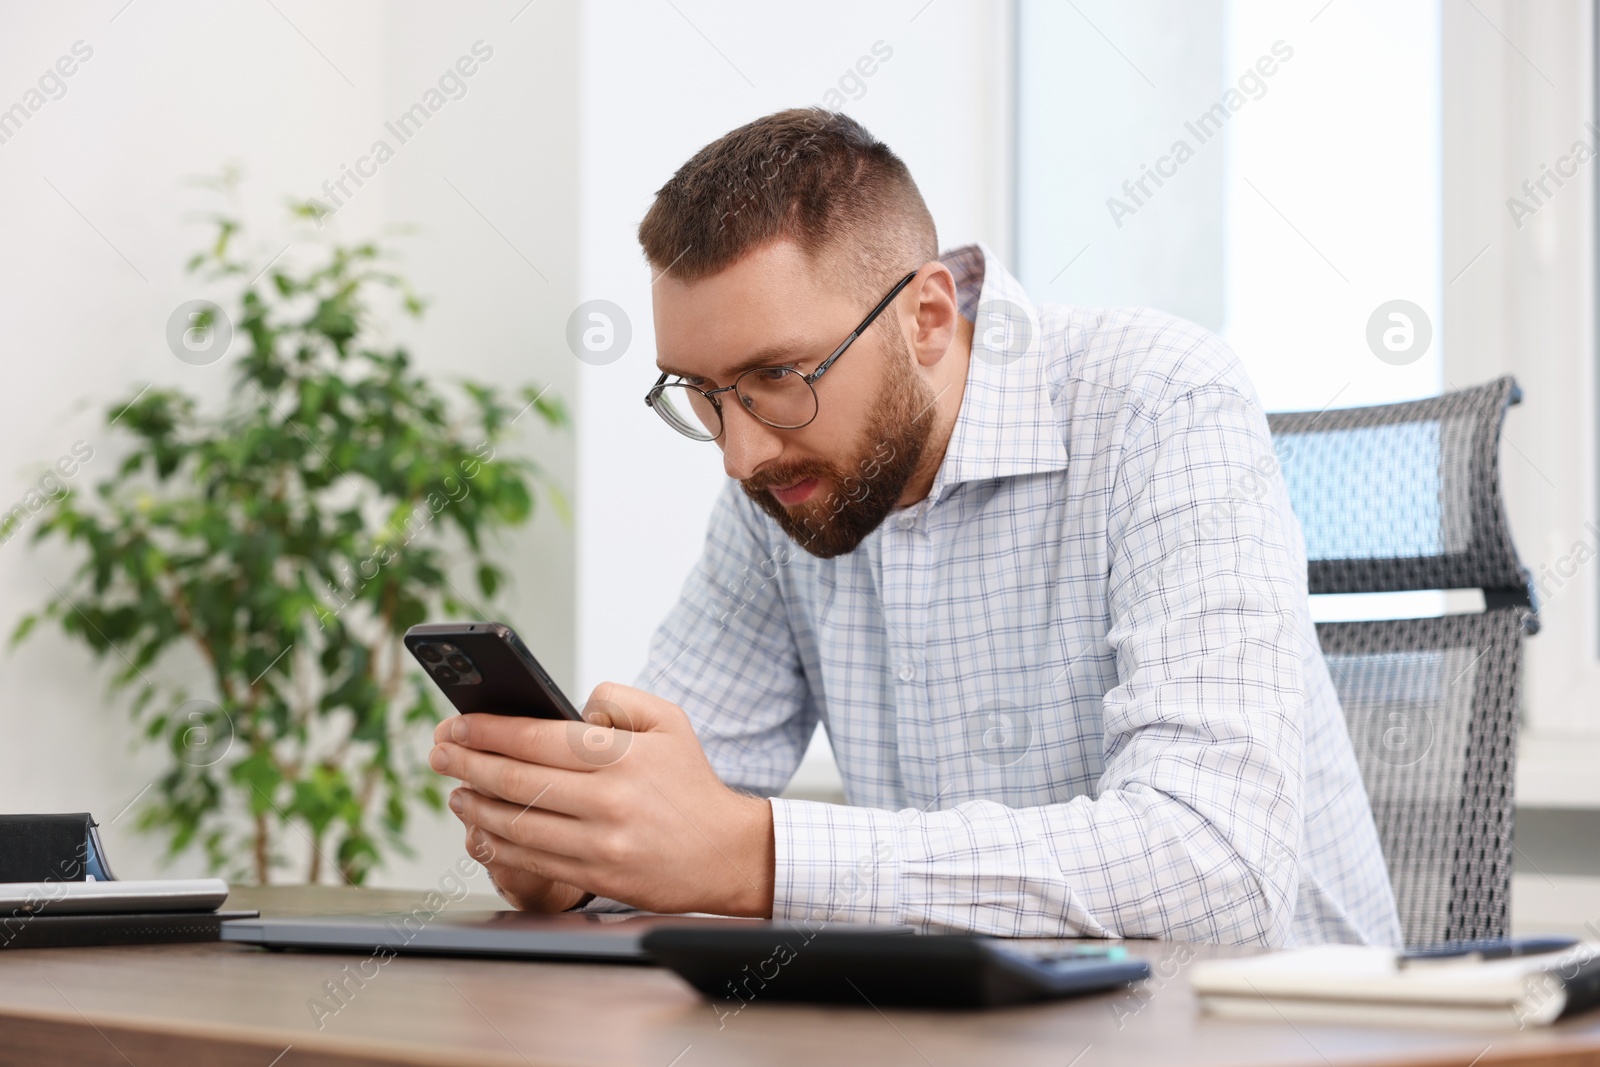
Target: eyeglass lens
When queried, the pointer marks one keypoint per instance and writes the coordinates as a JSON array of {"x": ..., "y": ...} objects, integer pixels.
[{"x": 778, "y": 396}]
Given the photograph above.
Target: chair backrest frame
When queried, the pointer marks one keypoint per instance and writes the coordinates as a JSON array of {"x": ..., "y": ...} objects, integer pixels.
[{"x": 1447, "y": 687}]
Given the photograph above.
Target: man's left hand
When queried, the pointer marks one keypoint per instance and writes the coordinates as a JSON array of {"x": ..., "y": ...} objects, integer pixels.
[{"x": 624, "y": 805}]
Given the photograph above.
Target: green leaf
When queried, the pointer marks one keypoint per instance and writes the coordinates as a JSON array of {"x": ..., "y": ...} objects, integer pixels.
[
  {"x": 411, "y": 612},
  {"x": 558, "y": 501},
  {"x": 24, "y": 627},
  {"x": 260, "y": 778},
  {"x": 488, "y": 578}
]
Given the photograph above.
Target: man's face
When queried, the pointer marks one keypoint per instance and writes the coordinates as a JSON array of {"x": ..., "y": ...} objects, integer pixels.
[{"x": 830, "y": 483}]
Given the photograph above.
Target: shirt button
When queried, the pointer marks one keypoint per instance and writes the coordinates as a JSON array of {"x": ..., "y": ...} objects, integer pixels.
[
  {"x": 905, "y": 522},
  {"x": 907, "y": 672}
]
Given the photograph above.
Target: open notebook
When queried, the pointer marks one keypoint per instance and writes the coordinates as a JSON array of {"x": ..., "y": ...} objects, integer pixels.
[{"x": 1365, "y": 985}]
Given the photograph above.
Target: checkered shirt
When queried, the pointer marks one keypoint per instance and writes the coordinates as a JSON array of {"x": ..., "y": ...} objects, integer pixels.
[{"x": 1074, "y": 691}]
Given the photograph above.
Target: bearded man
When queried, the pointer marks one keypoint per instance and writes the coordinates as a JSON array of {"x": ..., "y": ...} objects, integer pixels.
[{"x": 1003, "y": 554}]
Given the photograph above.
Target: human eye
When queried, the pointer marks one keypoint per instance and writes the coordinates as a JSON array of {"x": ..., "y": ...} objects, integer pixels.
[{"x": 772, "y": 374}]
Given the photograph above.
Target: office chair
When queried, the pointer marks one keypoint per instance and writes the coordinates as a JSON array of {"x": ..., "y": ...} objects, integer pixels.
[{"x": 1407, "y": 497}]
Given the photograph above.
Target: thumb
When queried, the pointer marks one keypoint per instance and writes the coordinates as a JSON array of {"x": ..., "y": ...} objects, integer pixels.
[{"x": 627, "y": 708}]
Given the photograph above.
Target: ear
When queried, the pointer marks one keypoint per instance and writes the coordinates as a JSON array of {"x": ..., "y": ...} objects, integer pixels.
[{"x": 932, "y": 309}]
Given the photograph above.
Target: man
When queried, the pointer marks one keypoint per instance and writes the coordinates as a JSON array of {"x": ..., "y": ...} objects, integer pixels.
[{"x": 1005, "y": 556}]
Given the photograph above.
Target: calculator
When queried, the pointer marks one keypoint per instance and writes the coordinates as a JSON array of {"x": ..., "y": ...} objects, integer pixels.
[{"x": 874, "y": 967}]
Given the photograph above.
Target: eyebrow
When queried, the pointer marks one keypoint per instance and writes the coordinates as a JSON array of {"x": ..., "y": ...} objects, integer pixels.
[{"x": 770, "y": 356}]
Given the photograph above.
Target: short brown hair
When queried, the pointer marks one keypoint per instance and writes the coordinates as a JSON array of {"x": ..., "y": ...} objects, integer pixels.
[{"x": 815, "y": 177}]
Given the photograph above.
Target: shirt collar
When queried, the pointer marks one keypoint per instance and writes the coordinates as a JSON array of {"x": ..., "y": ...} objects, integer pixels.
[{"x": 1007, "y": 424}]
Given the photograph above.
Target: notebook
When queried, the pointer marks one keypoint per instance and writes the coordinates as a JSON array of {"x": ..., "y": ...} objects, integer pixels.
[{"x": 1365, "y": 985}]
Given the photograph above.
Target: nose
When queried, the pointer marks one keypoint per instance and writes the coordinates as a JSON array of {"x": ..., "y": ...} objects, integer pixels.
[{"x": 747, "y": 442}]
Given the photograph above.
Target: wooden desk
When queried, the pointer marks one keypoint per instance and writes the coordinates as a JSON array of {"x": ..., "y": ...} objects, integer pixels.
[{"x": 229, "y": 1004}]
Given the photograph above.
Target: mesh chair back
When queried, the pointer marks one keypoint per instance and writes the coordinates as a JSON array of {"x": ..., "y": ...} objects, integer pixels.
[
  {"x": 1431, "y": 705},
  {"x": 1402, "y": 497}
]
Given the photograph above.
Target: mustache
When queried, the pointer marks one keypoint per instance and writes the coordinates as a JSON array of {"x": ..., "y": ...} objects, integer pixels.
[{"x": 789, "y": 475}]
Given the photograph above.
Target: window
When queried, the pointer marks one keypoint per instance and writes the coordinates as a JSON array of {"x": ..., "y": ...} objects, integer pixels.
[
  {"x": 1281, "y": 173},
  {"x": 1269, "y": 171}
]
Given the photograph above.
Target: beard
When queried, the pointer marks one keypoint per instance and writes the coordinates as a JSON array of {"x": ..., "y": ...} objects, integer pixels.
[{"x": 854, "y": 496}]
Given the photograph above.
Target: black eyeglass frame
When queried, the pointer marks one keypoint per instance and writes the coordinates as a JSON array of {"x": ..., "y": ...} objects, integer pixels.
[{"x": 810, "y": 379}]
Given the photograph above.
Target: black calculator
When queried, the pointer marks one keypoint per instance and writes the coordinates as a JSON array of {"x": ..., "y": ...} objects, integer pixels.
[{"x": 875, "y": 967}]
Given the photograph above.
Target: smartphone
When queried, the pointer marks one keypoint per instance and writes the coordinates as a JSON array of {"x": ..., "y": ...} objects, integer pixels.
[{"x": 485, "y": 667}]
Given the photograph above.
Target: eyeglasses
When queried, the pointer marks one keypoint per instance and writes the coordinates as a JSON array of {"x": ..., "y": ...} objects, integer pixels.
[{"x": 780, "y": 397}]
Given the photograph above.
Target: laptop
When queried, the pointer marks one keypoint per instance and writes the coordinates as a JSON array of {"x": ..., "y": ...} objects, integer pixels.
[{"x": 588, "y": 936}]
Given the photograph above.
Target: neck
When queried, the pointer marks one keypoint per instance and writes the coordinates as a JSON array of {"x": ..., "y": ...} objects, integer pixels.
[{"x": 949, "y": 382}]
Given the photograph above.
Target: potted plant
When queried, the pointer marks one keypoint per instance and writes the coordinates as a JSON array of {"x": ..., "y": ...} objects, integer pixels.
[{"x": 289, "y": 539}]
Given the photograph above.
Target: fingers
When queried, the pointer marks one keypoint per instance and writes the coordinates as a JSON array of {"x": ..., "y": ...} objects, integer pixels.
[
  {"x": 528, "y": 825},
  {"x": 448, "y": 730},
  {"x": 479, "y": 848},
  {"x": 511, "y": 780},
  {"x": 534, "y": 861},
  {"x": 521, "y": 888},
  {"x": 560, "y": 743},
  {"x": 573, "y": 746}
]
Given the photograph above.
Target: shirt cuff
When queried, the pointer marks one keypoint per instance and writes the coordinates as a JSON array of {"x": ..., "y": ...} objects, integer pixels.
[{"x": 834, "y": 863}]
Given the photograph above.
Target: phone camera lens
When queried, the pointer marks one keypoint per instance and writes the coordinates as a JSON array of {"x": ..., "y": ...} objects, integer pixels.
[
  {"x": 460, "y": 663},
  {"x": 429, "y": 653},
  {"x": 446, "y": 675}
]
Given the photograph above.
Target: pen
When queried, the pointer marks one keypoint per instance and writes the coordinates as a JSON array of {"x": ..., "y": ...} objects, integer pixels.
[{"x": 1478, "y": 951}]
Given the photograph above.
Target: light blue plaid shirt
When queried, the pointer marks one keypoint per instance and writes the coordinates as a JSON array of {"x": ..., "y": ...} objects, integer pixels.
[{"x": 1074, "y": 691}]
